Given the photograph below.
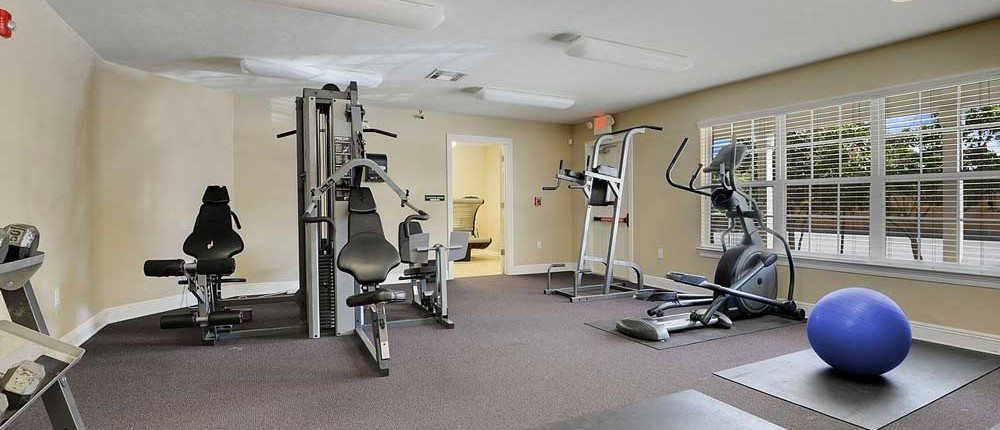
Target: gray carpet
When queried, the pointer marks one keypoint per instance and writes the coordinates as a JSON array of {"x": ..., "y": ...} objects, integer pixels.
[{"x": 517, "y": 359}]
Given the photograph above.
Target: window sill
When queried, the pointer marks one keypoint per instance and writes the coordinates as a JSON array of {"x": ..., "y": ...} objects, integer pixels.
[{"x": 882, "y": 269}]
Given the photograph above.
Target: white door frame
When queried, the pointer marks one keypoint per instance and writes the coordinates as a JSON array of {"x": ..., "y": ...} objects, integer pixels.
[{"x": 506, "y": 211}]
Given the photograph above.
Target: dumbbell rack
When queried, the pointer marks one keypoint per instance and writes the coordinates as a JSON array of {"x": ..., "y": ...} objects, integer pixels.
[{"x": 26, "y": 337}]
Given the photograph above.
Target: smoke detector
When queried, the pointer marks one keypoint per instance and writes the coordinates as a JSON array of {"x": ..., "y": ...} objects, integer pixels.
[{"x": 445, "y": 75}]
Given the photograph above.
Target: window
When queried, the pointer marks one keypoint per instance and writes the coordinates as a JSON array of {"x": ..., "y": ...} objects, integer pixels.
[
  {"x": 906, "y": 178},
  {"x": 828, "y": 170}
]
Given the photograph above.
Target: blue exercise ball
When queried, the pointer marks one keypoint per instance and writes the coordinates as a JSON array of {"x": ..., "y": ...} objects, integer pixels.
[{"x": 859, "y": 331}]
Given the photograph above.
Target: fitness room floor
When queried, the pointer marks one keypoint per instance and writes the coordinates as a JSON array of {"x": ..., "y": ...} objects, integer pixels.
[
  {"x": 515, "y": 360},
  {"x": 481, "y": 264}
]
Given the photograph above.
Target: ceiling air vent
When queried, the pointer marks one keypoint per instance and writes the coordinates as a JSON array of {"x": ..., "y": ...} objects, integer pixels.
[{"x": 445, "y": 75}]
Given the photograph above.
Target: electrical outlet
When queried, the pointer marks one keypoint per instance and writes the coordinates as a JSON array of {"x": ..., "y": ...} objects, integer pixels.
[
  {"x": 539, "y": 245},
  {"x": 55, "y": 297},
  {"x": 659, "y": 253}
]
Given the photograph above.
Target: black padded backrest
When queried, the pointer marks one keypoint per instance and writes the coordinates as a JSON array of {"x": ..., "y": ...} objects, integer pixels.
[
  {"x": 362, "y": 215},
  {"x": 366, "y": 256},
  {"x": 213, "y": 235},
  {"x": 404, "y": 239}
]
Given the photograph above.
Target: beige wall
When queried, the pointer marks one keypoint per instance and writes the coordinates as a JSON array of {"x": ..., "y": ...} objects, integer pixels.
[
  {"x": 44, "y": 143},
  {"x": 476, "y": 172},
  {"x": 109, "y": 162},
  {"x": 157, "y": 143},
  {"x": 669, "y": 218},
  {"x": 264, "y": 171}
]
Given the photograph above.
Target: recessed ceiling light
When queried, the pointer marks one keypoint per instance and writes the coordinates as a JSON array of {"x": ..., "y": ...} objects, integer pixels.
[
  {"x": 591, "y": 48},
  {"x": 303, "y": 72},
  {"x": 398, "y": 13},
  {"x": 445, "y": 75},
  {"x": 500, "y": 95}
]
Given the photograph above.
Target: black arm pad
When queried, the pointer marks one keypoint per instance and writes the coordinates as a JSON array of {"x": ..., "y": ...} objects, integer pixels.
[
  {"x": 163, "y": 268},
  {"x": 216, "y": 266}
]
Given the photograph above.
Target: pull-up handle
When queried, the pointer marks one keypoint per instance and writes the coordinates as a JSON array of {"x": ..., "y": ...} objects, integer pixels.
[
  {"x": 382, "y": 132},
  {"x": 367, "y": 130},
  {"x": 651, "y": 127},
  {"x": 558, "y": 181}
]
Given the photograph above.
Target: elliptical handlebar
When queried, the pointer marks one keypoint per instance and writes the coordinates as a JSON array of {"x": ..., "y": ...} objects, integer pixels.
[{"x": 690, "y": 186}]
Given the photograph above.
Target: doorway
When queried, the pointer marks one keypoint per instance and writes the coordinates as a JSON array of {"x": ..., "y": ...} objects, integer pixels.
[{"x": 479, "y": 188}]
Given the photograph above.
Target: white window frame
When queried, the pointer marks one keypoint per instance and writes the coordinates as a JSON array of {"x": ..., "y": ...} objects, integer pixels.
[{"x": 877, "y": 264}]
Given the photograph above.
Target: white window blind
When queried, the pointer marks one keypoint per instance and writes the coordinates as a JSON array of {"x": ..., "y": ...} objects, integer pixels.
[
  {"x": 911, "y": 177},
  {"x": 828, "y": 170}
]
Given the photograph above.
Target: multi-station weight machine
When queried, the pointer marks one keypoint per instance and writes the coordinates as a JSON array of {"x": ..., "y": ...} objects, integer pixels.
[
  {"x": 332, "y": 161},
  {"x": 602, "y": 185}
]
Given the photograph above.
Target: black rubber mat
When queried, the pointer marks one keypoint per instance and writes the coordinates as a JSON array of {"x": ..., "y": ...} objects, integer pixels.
[
  {"x": 930, "y": 372},
  {"x": 679, "y": 411},
  {"x": 688, "y": 337}
]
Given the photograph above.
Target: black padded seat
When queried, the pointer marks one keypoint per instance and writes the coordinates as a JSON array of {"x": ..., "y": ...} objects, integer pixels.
[
  {"x": 213, "y": 235},
  {"x": 366, "y": 256},
  {"x": 377, "y": 295}
]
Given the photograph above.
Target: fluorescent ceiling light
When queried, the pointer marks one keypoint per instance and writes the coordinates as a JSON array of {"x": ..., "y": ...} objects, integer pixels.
[
  {"x": 303, "y": 72},
  {"x": 522, "y": 98},
  {"x": 398, "y": 13},
  {"x": 627, "y": 55}
]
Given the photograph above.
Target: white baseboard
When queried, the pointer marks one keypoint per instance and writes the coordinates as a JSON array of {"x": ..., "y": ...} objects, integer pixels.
[
  {"x": 531, "y": 269},
  {"x": 944, "y": 335},
  {"x": 88, "y": 328},
  {"x": 233, "y": 290},
  {"x": 114, "y": 314},
  {"x": 961, "y": 338},
  {"x": 666, "y": 284}
]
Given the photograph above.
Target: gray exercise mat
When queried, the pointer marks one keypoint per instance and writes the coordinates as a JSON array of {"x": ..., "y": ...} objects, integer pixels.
[
  {"x": 688, "y": 337},
  {"x": 685, "y": 410},
  {"x": 930, "y": 372}
]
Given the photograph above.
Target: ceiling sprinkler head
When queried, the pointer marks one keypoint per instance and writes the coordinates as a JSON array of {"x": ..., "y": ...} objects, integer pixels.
[{"x": 419, "y": 114}]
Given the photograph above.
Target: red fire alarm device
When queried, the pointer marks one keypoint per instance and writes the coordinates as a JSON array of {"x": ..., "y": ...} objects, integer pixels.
[
  {"x": 538, "y": 201},
  {"x": 6, "y": 24}
]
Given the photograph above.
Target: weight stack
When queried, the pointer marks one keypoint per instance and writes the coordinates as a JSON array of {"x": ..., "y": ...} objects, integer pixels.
[{"x": 327, "y": 292}]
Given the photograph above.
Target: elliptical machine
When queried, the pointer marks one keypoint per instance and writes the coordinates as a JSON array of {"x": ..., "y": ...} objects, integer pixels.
[{"x": 746, "y": 279}]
